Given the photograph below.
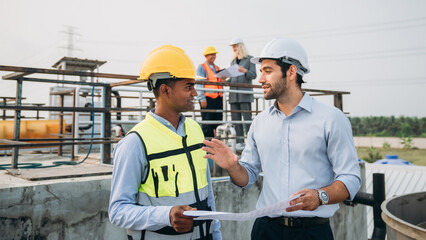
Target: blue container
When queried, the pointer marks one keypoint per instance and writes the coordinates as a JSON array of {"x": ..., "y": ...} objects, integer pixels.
[
  {"x": 392, "y": 160},
  {"x": 360, "y": 160}
]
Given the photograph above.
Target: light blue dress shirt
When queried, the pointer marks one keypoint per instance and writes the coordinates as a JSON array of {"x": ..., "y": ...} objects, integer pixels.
[
  {"x": 129, "y": 166},
  {"x": 311, "y": 148},
  {"x": 199, "y": 87}
]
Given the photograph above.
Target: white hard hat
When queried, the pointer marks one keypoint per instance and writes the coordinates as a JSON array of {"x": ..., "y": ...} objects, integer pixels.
[
  {"x": 236, "y": 40},
  {"x": 288, "y": 51}
]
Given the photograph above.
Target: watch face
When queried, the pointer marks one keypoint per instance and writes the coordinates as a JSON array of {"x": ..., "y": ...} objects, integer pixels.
[{"x": 324, "y": 196}]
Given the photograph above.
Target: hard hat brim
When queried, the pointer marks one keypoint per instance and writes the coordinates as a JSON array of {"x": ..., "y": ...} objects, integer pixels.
[
  {"x": 193, "y": 77},
  {"x": 235, "y": 41},
  {"x": 255, "y": 60},
  {"x": 205, "y": 54}
]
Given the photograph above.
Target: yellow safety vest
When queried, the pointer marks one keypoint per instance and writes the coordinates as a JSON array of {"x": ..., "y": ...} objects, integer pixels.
[{"x": 177, "y": 169}]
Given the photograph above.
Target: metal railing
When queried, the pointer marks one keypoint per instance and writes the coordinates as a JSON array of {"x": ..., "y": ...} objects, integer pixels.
[{"x": 20, "y": 75}]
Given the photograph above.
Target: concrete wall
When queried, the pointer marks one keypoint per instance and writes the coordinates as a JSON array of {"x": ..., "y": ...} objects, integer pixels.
[
  {"x": 350, "y": 222},
  {"x": 229, "y": 198},
  {"x": 68, "y": 210},
  {"x": 393, "y": 141},
  {"x": 77, "y": 209}
]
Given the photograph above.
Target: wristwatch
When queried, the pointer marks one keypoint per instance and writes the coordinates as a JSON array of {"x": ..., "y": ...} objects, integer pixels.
[{"x": 323, "y": 196}]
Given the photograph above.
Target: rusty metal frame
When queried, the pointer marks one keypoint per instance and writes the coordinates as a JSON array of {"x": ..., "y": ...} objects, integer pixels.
[{"x": 20, "y": 75}]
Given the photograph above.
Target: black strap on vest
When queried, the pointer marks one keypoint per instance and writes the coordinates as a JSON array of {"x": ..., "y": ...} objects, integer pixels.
[
  {"x": 194, "y": 178},
  {"x": 169, "y": 153}
]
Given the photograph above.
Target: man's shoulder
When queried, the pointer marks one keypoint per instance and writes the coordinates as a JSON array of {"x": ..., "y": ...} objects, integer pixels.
[
  {"x": 201, "y": 66},
  {"x": 130, "y": 141},
  {"x": 248, "y": 58},
  {"x": 327, "y": 112},
  {"x": 319, "y": 106},
  {"x": 191, "y": 122}
]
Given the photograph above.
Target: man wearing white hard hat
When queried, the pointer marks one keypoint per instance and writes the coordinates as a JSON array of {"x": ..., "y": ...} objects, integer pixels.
[
  {"x": 304, "y": 147},
  {"x": 240, "y": 101}
]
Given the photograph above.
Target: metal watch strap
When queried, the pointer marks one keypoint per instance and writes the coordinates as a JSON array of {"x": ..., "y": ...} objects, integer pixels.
[{"x": 321, "y": 193}]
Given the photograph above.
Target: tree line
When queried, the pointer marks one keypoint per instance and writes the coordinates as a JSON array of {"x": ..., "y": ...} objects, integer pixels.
[{"x": 389, "y": 126}]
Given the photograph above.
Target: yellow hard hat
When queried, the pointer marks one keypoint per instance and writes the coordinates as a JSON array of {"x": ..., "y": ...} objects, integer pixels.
[
  {"x": 168, "y": 59},
  {"x": 209, "y": 50}
]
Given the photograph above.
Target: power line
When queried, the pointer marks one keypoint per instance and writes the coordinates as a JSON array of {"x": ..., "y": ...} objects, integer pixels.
[
  {"x": 369, "y": 25},
  {"x": 38, "y": 53},
  {"x": 390, "y": 25},
  {"x": 151, "y": 43},
  {"x": 354, "y": 29},
  {"x": 389, "y": 81},
  {"x": 345, "y": 56},
  {"x": 371, "y": 54},
  {"x": 375, "y": 52},
  {"x": 350, "y": 30}
]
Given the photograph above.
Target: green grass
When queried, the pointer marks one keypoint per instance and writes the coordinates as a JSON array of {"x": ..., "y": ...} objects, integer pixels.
[{"x": 415, "y": 156}]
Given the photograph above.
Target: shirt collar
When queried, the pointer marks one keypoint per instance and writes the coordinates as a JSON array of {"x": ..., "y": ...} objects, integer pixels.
[
  {"x": 167, "y": 123},
  {"x": 305, "y": 103}
]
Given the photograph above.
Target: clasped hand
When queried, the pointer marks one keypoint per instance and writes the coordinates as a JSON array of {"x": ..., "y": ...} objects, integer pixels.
[
  {"x": 307, "y": 201},
  {"x": 180, "y": 222}
]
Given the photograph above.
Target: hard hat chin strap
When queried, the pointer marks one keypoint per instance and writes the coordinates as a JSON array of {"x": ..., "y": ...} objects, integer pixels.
[
  {"x": 155, "y": 77},
  {"x": 149, "y": 84},
  {"x": 300, "y": 69}
]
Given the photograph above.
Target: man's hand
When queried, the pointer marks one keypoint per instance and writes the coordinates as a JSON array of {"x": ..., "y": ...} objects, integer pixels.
[
  {"x": 203, "y": 104},
  {"x": 220, "y": 153},
  {"x": 180, "y": 222},
  {"x": 308, "y": 201},
  {"x": 225, "y": 158}
]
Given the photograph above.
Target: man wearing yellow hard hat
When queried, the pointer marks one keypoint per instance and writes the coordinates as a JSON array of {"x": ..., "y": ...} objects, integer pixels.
[
  {"x": 209, "y": 99},
  {"x": 159, "y": 169}
]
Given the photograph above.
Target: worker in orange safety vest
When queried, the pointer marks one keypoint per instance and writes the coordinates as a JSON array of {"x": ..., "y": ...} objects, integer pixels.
[{"x": 209, "y": 99}]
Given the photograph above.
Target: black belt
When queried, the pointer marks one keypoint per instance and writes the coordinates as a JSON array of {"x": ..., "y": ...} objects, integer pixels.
[{"x": 293, "y": 222}]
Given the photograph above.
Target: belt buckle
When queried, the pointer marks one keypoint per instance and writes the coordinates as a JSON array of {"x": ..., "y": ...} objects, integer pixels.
[{"x": 288, "y": 222}]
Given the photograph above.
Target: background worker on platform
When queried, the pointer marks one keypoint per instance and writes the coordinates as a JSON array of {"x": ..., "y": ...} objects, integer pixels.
[
  {"x": 303, "y": 146},
  {"x": 159, "y": 169},
  {"x": 208, "y": 99},
  {"x": 241, "y": 101}
]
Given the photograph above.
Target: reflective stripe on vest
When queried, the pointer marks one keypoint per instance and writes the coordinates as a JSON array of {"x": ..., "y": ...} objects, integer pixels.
[
  {"x": 177, "y": 169},
  {"x": 211, "y": 77}
]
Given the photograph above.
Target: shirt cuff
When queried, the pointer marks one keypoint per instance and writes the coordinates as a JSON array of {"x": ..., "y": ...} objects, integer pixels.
[
  {"x": 217, "y": 235},
  {"x": 165, "y": 218},
  {"x": 250, "y": 180},
  {"x": 352, "y": 184}
]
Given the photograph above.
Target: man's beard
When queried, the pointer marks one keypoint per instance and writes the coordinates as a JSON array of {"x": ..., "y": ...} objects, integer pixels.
[{"x": 277, "y": 90}]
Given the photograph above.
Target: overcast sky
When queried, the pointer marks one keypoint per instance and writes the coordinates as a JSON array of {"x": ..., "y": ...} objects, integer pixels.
[{"x": 374, "y": 49}]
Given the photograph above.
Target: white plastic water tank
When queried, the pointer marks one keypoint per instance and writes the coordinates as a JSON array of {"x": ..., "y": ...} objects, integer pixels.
[{"x": 392, "y": 160}]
